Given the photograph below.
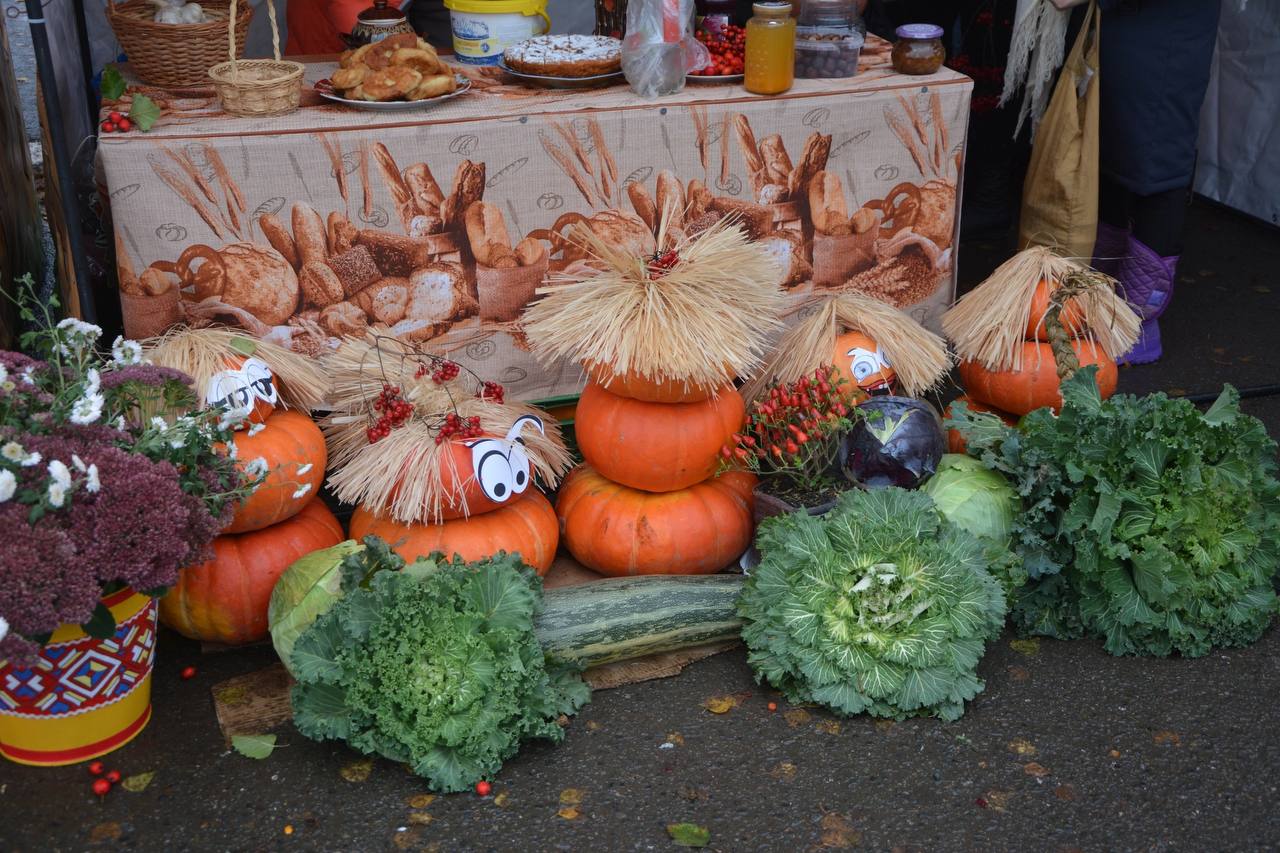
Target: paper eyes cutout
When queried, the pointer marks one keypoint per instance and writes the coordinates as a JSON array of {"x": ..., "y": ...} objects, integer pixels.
[
  {"x": 240, "y": 391},
  {"x": 870, "y": 369},
  {"x": 501, "y": 465}
]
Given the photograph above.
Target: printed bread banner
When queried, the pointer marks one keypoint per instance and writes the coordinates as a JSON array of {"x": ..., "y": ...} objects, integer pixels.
[{"x": 441, "y": 233}]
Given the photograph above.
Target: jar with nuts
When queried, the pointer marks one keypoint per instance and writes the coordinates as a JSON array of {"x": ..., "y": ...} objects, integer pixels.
[{"x": 829, "y": 38}]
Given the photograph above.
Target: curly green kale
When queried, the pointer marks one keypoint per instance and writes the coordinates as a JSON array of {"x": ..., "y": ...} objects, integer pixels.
[
  {"x": 881, "y": 606},
  {"x": 435, "y": 666},
  {"x": 1148, "y": 524}
]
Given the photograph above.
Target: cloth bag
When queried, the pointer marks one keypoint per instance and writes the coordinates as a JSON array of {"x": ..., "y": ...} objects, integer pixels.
[{"x": 1060, "y": 193}]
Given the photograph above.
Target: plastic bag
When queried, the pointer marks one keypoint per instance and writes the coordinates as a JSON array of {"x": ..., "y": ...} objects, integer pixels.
[{"x": 659, "y": 48}]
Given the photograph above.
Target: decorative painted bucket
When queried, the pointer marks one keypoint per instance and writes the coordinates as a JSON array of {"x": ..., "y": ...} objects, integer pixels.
[{"x": 83, "y": 697}]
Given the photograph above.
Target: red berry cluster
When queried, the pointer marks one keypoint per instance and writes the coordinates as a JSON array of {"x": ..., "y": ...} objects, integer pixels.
[
  {"x": 789, "y": 417},
  {"x": 493, "y": 392},
  {"x": 728, "y": 51},
  {"x": 116, "y": 123},
  {"x": 106, "y": 778},
  {"x": 662, "y": 262},
  {"x": 445, "y": 371},
  {"x": 457, "y": 427},
  {"x": 394, "y": 409}
]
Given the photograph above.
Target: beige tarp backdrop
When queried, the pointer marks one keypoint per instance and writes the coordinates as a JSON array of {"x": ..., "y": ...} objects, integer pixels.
[{"x": 320, "y": 223}]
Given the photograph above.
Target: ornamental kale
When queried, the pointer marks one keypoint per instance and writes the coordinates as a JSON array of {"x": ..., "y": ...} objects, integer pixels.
[
  {"x": 435, "y": 665},
  {"x": 881, "y": 606},
  {"x": 1146, "y": 523}
]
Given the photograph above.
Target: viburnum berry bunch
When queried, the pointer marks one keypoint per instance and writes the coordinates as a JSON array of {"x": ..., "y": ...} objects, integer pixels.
[
  {"x": 455, "y": 426},
  {"x": 793, "y": 431},
  {"x": 393, "y": 410}
]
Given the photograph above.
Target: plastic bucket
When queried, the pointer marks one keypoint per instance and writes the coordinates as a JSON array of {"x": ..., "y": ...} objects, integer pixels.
[{"x": 483, "y": 29}]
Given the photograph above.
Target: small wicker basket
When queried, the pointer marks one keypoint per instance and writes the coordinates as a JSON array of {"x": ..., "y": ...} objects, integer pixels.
[
  {"x": 176, "y": 56},
  {"x": 258, "y": 87}
]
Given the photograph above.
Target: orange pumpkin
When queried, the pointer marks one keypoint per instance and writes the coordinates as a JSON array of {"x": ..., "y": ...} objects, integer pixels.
[
  {"x": 225, "y": 600},
  {"x": 468, "y": 493},
  {"x": 619, "y": 531},
  {"x": 526, "y": 527},
  {"x": 1036, "y": 384},
  {"x": 862, "y": 363},
  {"x": 657, "y": 447},
  {"x": 292, "y": 447},
  {"x": 955, "y": 441},
  {"x": 637, "y": 387},
  {"x": 1072, "y": 316}
]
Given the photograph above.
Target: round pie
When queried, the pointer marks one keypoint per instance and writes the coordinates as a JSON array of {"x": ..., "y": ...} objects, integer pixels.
[{"x": 565, "y": 56}]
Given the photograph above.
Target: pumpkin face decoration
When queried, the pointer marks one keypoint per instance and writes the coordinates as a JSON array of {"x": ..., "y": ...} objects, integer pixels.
[
  {"x": 247, "y": 392},
  {"x": 501, "y": 465},
  {"x": 863, "y": 363}
]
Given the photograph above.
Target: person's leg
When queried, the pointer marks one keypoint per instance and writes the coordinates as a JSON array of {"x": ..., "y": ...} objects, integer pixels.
[
  {"x": 1115, "y": 211},
  {"x": 1147, "y": 270}
]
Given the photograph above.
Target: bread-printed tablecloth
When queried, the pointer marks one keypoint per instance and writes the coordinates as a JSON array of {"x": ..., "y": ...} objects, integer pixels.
[{"x": 438, "y": 226}]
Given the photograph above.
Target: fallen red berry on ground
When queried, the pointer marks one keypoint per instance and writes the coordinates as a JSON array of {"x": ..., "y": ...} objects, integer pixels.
[
  {"x": 483, "y": 789},
  {"x": 188, "y": 672}
]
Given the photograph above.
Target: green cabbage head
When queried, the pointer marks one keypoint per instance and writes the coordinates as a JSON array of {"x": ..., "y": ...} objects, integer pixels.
[
  {"x": 433, "y": 664},
  {"x": 881, "y": 606}
]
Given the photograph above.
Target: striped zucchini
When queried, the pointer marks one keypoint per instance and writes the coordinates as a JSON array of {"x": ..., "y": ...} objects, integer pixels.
[{"x": 624, "y": 618}]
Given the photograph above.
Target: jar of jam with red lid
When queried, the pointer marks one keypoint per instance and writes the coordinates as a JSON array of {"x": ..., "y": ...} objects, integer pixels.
[{"x": 918, "y": 49}]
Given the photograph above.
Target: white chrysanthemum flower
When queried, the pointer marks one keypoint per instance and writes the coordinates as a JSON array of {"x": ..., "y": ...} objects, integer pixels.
[
  {"x": 87, "y": 409},
  {"x": 178, "y": 442},
  {"x": 4, "y": 627},
  {"x": 301, "y": 490},
  {"x": 92, "y": 382},
  {"x": 57, "y": 494},
  {"x": 256, "y": 467},
  {"x": 77, "y": 462},
  {"x": 232, "y": 450},
  {"x": 159, "y": 423},
  {"x": 33, "y": 458},
  {"x": 91, "y": 481},
  {"x": 125, "y": 352},
  {"x": 4, "y": 373},
  {"x": 230, "y": 419},
  {"x": 27, "y": 378},
  {"x": 8, "y": 484},
  {"x": 13, "y": 451},
  {"x": 254, "y": 429},
  {"x": 60, "y": 473},
  {"x": 302, "y": 469}
]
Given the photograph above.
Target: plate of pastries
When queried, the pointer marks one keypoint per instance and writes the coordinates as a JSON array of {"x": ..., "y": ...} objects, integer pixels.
[{"x": 400, "y": 72}]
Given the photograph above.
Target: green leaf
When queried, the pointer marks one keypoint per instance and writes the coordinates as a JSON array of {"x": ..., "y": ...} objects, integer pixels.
[
  {"x": 1225, "y": 409},
  {"x": 138, "y": 783},
  {"x": 112, "y": 83},
  {"x": 144, "y": 112},
  {"x": 689, "y": 834},
  {"x": 242, "y": 345},
  {"x": 254, "y": 746},
  {"x": 102, "y": 624}
]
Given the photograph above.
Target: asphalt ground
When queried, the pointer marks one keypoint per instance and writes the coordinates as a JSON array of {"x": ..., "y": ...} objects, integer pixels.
[{"x": 1067, "y": 748}]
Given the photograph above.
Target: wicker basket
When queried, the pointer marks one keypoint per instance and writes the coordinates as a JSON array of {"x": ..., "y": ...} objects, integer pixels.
[
  {"x": 258, "y": 87},
  {"x": 175, "y": 56}
]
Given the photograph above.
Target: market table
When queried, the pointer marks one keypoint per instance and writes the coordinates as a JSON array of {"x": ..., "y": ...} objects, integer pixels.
[{"x": 331, "y": 221}]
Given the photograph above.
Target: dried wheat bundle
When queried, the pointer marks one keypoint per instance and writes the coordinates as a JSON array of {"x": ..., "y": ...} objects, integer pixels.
[
  {"x": 703, "y": 320},
  {"x": 918, "y": 356},
  {"x": 201, "y": 353},
  {"x": 407, "y": 475},
  {"x": 988, "y": 323}
]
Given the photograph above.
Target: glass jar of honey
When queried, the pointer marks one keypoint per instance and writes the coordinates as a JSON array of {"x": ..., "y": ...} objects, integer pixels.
[
  {"x": 771, "y": 49},
  {"x": 918, "y": 49}
]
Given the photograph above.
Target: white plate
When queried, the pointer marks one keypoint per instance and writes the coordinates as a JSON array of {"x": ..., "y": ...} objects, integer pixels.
[
  {"x": 713, "y": 78},
  {"x": 325, "y": 89},
  {"x": 562, "y": 82}
]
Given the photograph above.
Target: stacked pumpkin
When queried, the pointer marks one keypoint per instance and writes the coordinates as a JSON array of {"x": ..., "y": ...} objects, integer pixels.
[
  {"x": 225, "y": 599},
  {"x": 661, "y": 339},
  {"x": 439, "y": 461},
  {"x": 1003, "y": 331}
]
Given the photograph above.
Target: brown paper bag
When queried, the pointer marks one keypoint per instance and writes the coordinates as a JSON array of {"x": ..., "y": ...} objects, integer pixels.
[
  {"x": 838, "y": 259},
  {"x": 503, "y": 293},
  {"x": 1060, "y": 194}
]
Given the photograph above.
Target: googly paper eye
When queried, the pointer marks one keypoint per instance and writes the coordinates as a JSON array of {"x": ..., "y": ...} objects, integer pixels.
[
  {"x": 260, "y": 380},
  {"x": 493, "y": 470},
  {"x": 228, "y": 390},
  {"x": 520, "y": 475}
]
